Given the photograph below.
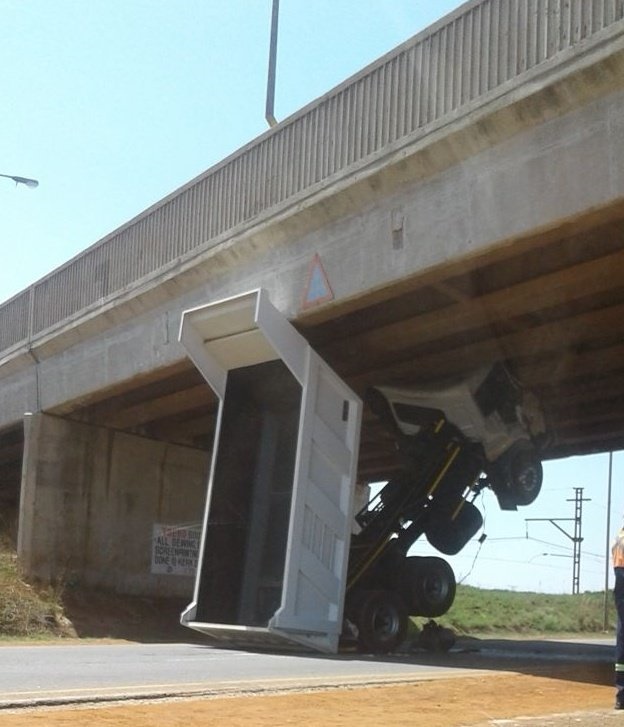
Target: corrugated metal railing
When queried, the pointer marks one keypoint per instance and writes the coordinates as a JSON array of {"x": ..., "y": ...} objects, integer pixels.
[
  {"x": 14, "y": 320},
  {"x": 472, "y": 52}
]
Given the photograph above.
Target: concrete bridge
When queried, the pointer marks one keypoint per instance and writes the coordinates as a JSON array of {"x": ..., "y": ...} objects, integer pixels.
[{"x": 459, "y": 201}]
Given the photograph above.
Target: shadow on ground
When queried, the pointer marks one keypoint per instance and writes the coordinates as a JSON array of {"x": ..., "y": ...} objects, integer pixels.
[
  {"x": 99, "y": 614},
  {"x": 588, "y": 661}
]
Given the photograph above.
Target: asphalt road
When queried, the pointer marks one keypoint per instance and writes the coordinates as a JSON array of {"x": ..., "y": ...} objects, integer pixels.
[{"x": 58, "y": 674}]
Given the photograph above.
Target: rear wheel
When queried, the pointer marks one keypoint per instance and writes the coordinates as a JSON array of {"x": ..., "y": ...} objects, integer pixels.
[{"x": 382, "y": 621}]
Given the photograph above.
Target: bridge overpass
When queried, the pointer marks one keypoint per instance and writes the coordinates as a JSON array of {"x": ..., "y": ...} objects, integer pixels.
[{"x": 459, "y": 201}]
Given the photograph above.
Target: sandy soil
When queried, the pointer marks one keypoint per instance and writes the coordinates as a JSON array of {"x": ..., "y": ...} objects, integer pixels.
[{"x": 453, "y": 702}]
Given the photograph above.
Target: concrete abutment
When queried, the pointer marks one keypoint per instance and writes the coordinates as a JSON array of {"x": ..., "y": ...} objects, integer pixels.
[{"x": 90, "y": 499}]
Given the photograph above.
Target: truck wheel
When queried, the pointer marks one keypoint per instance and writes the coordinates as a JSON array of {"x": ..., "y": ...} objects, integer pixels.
[
  {"x": 525, "y": 476},
  {"x": 432, "y": 587},
  {"x": 449, "y": 535},
  {"x": 381, "y": 621},
  {"x": 516, "y": 476}
]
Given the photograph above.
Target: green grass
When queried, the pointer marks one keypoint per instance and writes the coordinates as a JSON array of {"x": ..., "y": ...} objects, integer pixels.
[{"x": 478, "y": 611}]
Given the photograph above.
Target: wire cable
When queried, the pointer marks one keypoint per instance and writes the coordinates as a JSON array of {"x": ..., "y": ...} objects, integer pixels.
[{"x": 481, "y": 539}]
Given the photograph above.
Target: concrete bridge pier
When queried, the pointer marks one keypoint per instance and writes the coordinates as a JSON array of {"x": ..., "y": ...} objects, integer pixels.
[{"x": 90, "y": 499}]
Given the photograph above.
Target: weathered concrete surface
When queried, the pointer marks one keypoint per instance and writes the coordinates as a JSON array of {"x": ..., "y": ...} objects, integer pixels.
[{"x": 90, "y": 497}]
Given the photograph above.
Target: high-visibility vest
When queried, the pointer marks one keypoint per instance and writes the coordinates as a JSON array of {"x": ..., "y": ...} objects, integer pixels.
[{"x": 617, "y": 551}]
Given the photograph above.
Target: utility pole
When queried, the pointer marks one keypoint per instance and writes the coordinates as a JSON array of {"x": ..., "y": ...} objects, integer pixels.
[
  {"x": 608, "y": 545},
  {"x": 576, "y": 539}
]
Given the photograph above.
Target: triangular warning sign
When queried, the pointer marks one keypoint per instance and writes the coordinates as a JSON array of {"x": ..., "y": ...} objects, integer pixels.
[{"x": 317, "y": 289}]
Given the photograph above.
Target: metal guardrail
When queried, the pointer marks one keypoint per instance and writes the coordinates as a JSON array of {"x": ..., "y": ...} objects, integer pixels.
[
  {"x": 472, "y": 51},
  {"x": 14, "y": 320}
]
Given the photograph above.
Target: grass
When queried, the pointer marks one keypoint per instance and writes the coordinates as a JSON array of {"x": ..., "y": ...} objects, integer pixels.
[
  {"x": 25, "y": 611},
  {"x": 479, "y": 611}
]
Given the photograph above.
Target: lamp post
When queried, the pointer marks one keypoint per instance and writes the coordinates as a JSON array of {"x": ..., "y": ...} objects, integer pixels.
[
  {"x": 270, "y": 99},
  {"x": 21, "y": 180}
]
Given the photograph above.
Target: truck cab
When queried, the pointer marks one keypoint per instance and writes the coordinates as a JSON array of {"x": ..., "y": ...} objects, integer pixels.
[{"x": 452, "y": 441}]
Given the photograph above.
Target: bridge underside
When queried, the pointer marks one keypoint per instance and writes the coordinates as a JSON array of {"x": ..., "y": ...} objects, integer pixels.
[{"x": 551, "y": 306}]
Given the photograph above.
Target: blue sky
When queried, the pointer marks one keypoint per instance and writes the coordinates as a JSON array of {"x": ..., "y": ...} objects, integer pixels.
[{"x": 112, "y": 104}]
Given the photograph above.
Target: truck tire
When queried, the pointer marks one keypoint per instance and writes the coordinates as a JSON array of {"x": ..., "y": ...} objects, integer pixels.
[
  {"x": 382, "y": 621},
  {"x": 449, "y": 535},
  {"x": 431, "y": 586},
  {"x": 516, "y": 476},
  {"x": 525, "y": 476}
]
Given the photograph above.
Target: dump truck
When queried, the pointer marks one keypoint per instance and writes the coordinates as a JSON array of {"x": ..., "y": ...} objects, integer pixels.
[{"x": 287, "y": 559}]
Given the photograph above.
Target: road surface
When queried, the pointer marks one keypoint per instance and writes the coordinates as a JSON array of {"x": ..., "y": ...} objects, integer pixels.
[{"x": 61, "y": 674}]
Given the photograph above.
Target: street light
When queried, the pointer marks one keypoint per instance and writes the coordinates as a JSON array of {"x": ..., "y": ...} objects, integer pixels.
[{"x": 22, "y": 180}]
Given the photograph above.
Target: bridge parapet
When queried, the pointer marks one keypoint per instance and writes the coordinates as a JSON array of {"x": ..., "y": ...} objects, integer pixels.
[
  {"x": 15, "y": 320},
  {"x": 469, "y": 55}
]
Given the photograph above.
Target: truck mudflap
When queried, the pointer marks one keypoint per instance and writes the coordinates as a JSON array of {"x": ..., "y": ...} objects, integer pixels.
[{"x": 273, "y": 558}]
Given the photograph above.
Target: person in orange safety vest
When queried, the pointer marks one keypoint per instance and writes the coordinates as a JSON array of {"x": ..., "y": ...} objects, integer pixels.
[{"x": 617, "y": 551}]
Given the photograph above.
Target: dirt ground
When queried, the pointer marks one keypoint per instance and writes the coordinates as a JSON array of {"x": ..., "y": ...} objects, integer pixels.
[{"x": 583, "y": 695}]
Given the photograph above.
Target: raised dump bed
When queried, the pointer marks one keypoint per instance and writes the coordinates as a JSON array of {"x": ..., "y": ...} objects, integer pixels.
[{"x": 275, "y": 543}]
